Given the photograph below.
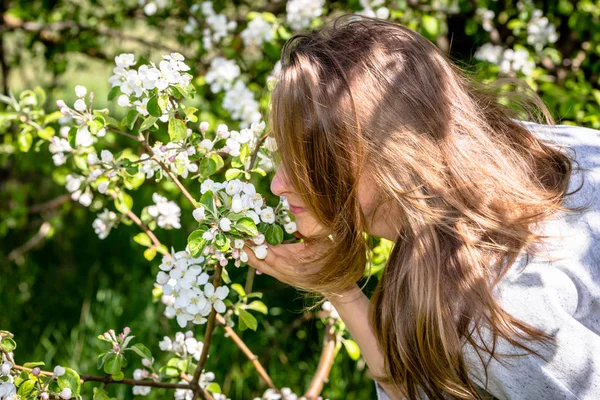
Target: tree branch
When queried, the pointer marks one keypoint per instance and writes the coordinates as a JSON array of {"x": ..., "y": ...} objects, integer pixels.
[
  {"x": 210, "y": 328},
  {"x": 251, "y": 356},
  {"x": 325, "y": 362}
]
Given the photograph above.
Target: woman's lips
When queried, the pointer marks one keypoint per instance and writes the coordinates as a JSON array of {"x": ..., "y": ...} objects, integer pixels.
[{"x": 296, "y": 209}]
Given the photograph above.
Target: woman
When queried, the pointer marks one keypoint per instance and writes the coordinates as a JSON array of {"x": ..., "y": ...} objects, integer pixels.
[{"x": 493, "y": 284}]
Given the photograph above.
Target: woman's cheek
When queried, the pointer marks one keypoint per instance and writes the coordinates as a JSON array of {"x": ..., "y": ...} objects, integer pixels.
[{"x": 307, "y": 225}]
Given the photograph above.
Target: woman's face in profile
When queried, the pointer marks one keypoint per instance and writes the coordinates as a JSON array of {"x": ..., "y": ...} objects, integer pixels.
[{"x": 381, "y": 224}]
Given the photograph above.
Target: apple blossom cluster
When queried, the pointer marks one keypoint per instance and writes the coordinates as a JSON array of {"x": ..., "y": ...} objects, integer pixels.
[
  {"x": 8, "y": 389},
  {"x": 234, "y": 210},
  {"x": 300, "y": 13},
  {"x": 374, "y": 9},
  {"x": 59, "y": 147},
  {"x": 141, "y": 84},
  {"x": 166, "y": 213},
  {"x": 257, "y": 32},
  {"x": 540, "y": 31},
  {"x": 221, "y": 74},
  {"x": 82, "y": 114},
  {"x": 80, "y": 191},
  {"x": 104, "y": 222},
  {"x": 239, "y": 101},
  {"x": 183, "y": 345},
  {"x": 217, "y": 25},
  {"x": 487, "y": 18},
  {"x": 181, "y": 277},
  {"x": 80, "y": 186},
  {"x": 507, "y": 59}
]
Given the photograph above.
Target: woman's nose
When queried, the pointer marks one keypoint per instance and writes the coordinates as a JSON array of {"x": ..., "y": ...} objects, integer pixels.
[{"x": 279, "y": 184}]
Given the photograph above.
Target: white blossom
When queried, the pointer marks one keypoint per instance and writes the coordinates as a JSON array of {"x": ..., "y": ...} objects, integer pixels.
[
  {"x": 104, "y": 222},
  {"x": 141, "y": 390},
  {"x": 167, "y": 213},
  {"x": 221, "y": 73},
  {"x": 80, "y": 91},
  {"x": 217, "y": 296},
  {"x": 198, "y": 214},
  {"x": 300, "y": 13},
  {"x": 540, "y": 31},
  {"x": 290, "y": 227},
  {"x": 59, "y": 371},
  {"x": 257, "y": 32}
]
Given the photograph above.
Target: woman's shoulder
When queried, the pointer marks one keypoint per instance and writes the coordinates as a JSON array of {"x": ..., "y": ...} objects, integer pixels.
[{"x": 557, "y": 291}]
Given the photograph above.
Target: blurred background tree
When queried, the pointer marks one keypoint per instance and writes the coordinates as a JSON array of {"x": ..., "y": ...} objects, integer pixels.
[{"x": 60, "y": 286}]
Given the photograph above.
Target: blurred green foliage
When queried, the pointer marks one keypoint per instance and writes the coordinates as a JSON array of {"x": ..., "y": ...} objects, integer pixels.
[{"x": 61, "y": 286}]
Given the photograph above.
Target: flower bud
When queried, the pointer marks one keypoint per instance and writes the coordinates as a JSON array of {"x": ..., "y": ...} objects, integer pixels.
[
  {"x": 203, "y": 126},
  {"x": 60, "y": 103},
  {"x": 66, "y": 394},
  {"x": 121, "y": 336},
  {"x": 116, "y": 348},
  {"x": 59, "y": 371},
  {"x": 127, "y": 330},
  {"x": 45, "y": 396},
  {"x": 36, "y": 371}
]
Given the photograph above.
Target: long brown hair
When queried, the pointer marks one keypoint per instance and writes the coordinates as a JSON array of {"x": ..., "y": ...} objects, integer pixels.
[{"x": 470, "y": 184}]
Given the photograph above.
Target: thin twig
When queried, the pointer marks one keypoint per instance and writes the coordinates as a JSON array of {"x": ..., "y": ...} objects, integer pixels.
[
  {"x": 132, "y": 216},
  {"x": 210, "y": 327},
  {"x": 247, "y": 352},
  {"x": 325, "y": 362},
  {"x": 49, "y": 205}
]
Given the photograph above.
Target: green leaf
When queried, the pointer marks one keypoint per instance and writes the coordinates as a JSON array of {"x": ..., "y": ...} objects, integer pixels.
[
  {"x": 114, "y": 92},
  {"x": 431, "y": 26},
  {"x": 232, "y": 173},
  {"x": 25, "y": 140},
  {"x": 150, "y": 253},
  {"x": 190, "y": 114},
  {"x": 46, "y": 133},
  {"x": 177, "y": 130},
  {"x": 70, "y": 380},
  {"x": 352, "y": 349},
  {"x": 214, "y": 387},
  {"x": 208, "y": 201},
  {"x": 208, "y": 166},
  {"x": 245, "y": 154},
  {"x": 222, "y": 242},
  {"x": 218, "y": 160},
  {"x": 34, "y": 364},
  {"x": 148, "y": 123},
  {"x": 143, "y": 239},
  {"x": 274, "y": 234},
  {"x": 247, "y": 226},
  {"x": 8, "y": 344},
  {"x": 196, "y": 243},
  {"x": 26, "y": 388},
  {"x": 112, "y": 365},
  {"x": 119, "y": 376},
  {"x": 100, "y": 394},
  {"x": 259, "y": 171},
  {"x": 123, "y": 202},
  {"x": 142, "y": 351},
  {"x": 248, "y": 319},
  {"x": 258, "y": 306},
  {"x": 102, "y": 358},
  {"x": 239, "y": 289},
  {"x": 153, "y": 107},
  {"x": 131, "y": 117}
]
